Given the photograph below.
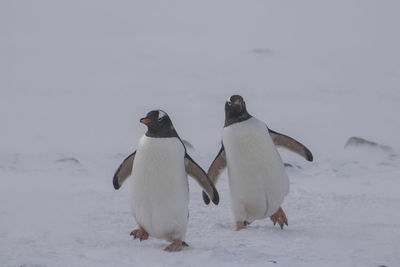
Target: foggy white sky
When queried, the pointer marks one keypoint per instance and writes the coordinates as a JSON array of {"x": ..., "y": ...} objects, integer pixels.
[{"x": 65, "y": 64}]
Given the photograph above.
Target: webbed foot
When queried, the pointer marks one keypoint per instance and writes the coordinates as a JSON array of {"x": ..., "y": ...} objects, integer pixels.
[
  {"x": 175, "y": 246},
  {"x": 279, "y": 217},
  {"x": 140, "y": 233}
]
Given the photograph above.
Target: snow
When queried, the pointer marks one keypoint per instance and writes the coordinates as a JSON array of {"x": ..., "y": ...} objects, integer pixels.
[{"x": 76, "y": 77}]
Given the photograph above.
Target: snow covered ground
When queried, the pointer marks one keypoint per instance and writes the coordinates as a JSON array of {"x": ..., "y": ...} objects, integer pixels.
[{"x": 76, "y": 76}]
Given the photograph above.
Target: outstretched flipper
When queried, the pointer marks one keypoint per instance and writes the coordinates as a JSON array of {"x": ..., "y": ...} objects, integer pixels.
[
  {"x": 215, "y": 170},
  {"x": 124, "y": 171},
  {"x": 194, "y": 170},
  {"x": 291, "y": 144}
]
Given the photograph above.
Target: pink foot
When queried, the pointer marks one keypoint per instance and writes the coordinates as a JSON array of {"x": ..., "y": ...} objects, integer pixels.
[
  {"x": 140, "y": 233},
  {"x": 279, "y": 217},
  {"x": 175, "y": 246},
  {"x": 240, "y": 226}
]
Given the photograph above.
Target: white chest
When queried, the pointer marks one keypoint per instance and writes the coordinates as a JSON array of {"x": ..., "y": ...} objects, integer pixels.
[
  {"x": 159, "y": 186},
  {"x": 248, "y": 144},
  {"x": 257, "y": 179},
  {"x": 157, "y": 157}
]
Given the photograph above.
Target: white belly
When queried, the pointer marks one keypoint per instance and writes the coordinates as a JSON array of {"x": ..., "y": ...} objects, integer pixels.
[
  {"x": 257, "y": 179},
  {"x": 160, "y": 193}
]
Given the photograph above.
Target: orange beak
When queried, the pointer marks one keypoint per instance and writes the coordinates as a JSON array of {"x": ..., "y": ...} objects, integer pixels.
[
  {"x": 237, "y": 102},
  {"x": 145, "y": 120}
]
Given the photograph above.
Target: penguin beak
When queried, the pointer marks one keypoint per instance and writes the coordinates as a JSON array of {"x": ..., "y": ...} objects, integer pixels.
[
  {"x": 145, "y": 120},
  {"x": 237, "y": 102}
]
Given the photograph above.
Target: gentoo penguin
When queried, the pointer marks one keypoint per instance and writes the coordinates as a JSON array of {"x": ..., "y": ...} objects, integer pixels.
[
  {"x": 160, "y": 192},
  {"x": 257, "y": 179}
]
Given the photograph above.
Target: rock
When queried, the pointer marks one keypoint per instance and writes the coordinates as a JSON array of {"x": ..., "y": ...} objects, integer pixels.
[
  {"x": 68, "y": 160},
  {"x": 358, "y": 141},
  {"x": 288, "y": 165},
  {"x": 262, "y": 51}
]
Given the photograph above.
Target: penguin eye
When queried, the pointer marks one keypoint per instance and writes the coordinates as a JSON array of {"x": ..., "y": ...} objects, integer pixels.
[
  {"x": 228, "y": 101},
  {"x": 161, "y": 115}
]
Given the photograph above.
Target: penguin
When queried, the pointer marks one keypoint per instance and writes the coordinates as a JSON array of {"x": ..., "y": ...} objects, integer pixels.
[
  {"x": 258, "y": 182},
  {"x": 160, "y": 191}
]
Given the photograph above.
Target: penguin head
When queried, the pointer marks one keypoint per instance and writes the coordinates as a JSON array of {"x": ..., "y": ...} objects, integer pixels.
[
  {"x": 235, "y": 110},
  {"x": 235, "y": 105},
  {"x": 158, "y": 124}
]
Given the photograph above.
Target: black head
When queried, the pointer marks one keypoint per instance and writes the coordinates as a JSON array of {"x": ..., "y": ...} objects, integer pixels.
[
  {"x": 158, "y": 124},
  {"x": 235, "y": 110}
]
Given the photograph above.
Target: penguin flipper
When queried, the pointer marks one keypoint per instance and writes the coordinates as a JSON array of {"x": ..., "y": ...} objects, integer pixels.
[
  {"x": 215, "y": 170},
  {"x": 195, "y": 171},
  {"x": 217, "y": 166},
  {"x": 291, "y": 144},
  {"x": 124, "y": 171}
]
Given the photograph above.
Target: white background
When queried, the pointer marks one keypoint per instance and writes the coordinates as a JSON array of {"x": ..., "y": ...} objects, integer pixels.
[{"x": 76, "y": 77}]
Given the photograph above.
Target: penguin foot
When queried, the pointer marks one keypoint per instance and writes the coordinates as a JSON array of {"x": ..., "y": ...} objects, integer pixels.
[
  {"x": 279, "y": 217},
  {"x": 175, "y": 246},
  {"x": 241, "y": 225},
  {"x": 140, "y": 233}
]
